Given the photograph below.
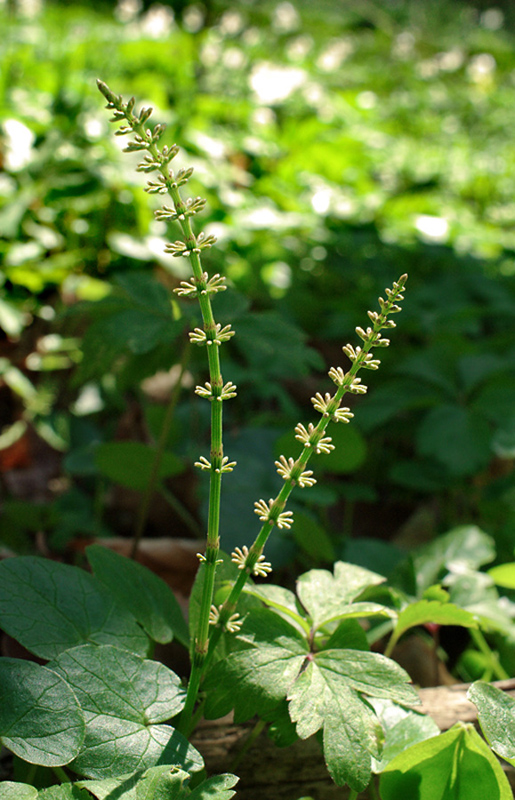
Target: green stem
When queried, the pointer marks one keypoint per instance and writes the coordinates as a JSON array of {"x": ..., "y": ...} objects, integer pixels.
[
  {"x": 372, "y": 789},
  {"x": 61, "y": 774},
  {"x": 353, "y": 794},
  {"x": 482, "y": 645},
  {"x": 144, "y": 506}
]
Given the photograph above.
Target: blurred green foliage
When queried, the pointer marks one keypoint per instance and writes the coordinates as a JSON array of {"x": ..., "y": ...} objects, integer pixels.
[{"x": 338, "y": 145}]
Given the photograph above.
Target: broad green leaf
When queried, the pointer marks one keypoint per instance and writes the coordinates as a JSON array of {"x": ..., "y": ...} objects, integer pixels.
[
  {"x": 161, "y": 783},
  {"x": 503, "y": 575},
  {"x": 218, "y": 787},
  {"x": 131, "y": 463},
  {"x": 425, "y": 611},
  {"x": 40, "y": 718},
  {"x": 149, "y": 599},
  {"x": 349, "y": 635},
  {"x": 496, "y": 713},
  {"x": 429, "y": 771},
  {"x": 139, "y": 785},
  {"x": 327, "y": 597},
  {"x": 66, "y": 791},
  {"x": 324, "y": 690},
  {"x": 49, "y": 607},
  {"x": 255, "y": 680},
  {"x": 9, "y": 790},
  {"x": 124, "y": 698},
  {"x": 403, "y": 727}
]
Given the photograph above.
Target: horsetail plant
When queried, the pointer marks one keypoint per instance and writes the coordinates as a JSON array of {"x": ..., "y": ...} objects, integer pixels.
[{"x": 212, "y": 336}]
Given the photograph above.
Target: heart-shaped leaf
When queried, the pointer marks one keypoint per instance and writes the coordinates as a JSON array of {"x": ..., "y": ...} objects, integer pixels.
[
  {"x": 124, "y": 698},
  {"x": 40, "y": 718},
  {"x": 149, "y": 599},
  {"x": 49, "y": 607}
]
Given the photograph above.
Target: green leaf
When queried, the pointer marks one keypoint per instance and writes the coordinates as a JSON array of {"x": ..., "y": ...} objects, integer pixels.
[
  {"x": 9, "y": 790},
  {"x": 140, "y": 785},
  {"x": 457, "y": 765},
  {"x": 456, "y": 437},
  {"x": 124, "y": 698},
  {"x": 40, "y": 718},
  {"x": 496, "y": 714},
  {"x": 324, "y": 690},
  {"x": 327, "y": 597},
  {"x": 255, "y": 680},
  {"x": 219, "y": 787},
  {"x": 327, "y": 694},
  {"x": 149, "y": 599},
  {"x": 503, "y": 575},
  {"x": 66, "y": 791},
  {"x": 403, "y": 727},
  {"x": 49, "y": 607},
  {"x": 425, "y": 611},
  {"x": 131, "y": 463}
]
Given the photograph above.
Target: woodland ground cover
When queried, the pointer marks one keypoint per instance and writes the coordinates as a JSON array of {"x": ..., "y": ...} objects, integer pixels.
[{"x": 335, "y": 152}]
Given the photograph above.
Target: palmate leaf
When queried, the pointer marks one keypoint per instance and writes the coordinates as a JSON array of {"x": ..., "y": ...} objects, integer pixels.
[
  {"x": 327, "y": 597},
  {"x": 324, "y": 691},
  {"x": 124, "y": 699}
]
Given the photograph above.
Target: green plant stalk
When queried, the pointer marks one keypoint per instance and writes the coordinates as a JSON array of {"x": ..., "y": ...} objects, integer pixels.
[
  {"x": 278, "y": 505},
  {"x": 158, "y": 457},
  {"x": 145, "y": 140},
  {"x": 482, "y": 645}
]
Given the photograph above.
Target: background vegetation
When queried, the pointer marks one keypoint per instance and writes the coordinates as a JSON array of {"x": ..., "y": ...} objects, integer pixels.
[{"x": 340, "y": 145}]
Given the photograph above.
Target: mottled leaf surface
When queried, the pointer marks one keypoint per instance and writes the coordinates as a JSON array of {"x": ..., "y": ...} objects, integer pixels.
[
  {"x": 50, "y": 607},
  {"x": 40, "y": 718},
  {"x": 124, "y": 699},
  {"x": 496, "y": 713},
  {"x": 148, "y": 598}
]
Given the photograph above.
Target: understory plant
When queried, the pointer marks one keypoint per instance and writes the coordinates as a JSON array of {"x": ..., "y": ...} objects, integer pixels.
[{"x": 107, "y": 721}]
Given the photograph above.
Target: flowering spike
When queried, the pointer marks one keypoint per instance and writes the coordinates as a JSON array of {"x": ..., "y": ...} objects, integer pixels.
[{"x": 198, "y": 336}]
